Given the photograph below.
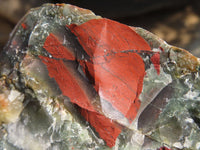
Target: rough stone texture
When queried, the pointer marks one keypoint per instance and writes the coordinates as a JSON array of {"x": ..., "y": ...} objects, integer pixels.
[{"x": 71, "y": 74}]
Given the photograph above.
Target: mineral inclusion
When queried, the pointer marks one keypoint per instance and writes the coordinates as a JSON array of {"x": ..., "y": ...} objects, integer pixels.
[{"x": 72, "y": 80}]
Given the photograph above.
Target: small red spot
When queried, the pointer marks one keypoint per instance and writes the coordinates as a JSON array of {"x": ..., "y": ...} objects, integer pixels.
[
  {"x": 24, "y": 26},
  {"x": 155, "y": 59},
  {"x": 14, "y": 42},
  {"x": 164, "y": 148},
  {"x": 161, "y": 49}
]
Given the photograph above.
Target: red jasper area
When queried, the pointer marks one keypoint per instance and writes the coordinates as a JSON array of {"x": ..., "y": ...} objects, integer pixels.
[
  {"x": 72, "y": 87},
  {"x": 117, "y": 73}
]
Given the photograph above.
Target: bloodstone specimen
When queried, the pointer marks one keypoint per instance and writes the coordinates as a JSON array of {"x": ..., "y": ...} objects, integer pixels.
[{"x": 73, "y": 80}]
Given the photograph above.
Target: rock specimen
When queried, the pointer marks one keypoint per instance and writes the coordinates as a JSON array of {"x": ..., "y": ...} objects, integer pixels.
[{"x": 73, "y": 80}]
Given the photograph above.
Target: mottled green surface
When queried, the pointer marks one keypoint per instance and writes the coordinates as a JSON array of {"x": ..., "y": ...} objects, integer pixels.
[{"x": 169, "y": 114}]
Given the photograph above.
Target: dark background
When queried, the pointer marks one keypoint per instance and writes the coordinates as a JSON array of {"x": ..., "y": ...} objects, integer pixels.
[{"x": 176, "y": 21}]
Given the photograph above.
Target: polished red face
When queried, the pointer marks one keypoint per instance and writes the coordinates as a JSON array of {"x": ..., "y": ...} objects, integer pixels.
[{"x": 113, "y": 71}]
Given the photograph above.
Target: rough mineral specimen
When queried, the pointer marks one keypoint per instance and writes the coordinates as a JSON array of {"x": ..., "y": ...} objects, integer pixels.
[{"x": 73, "y": 80}]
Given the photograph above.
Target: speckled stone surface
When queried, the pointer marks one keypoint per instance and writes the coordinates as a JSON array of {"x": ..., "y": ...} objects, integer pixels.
[{"x": 73, "y": 80}]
